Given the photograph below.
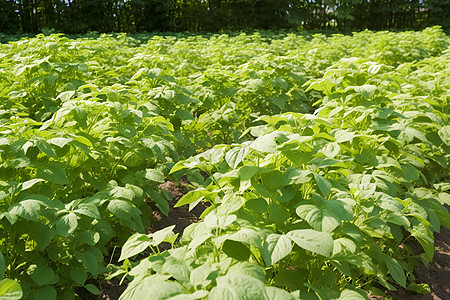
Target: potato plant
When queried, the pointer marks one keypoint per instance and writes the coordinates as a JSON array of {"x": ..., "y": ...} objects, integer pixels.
[{"x": 323, "y": 156}]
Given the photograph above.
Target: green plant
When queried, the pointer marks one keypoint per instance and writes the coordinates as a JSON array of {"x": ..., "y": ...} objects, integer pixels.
[
  {"x": 320, "y": 201},
  {"x": 320, "y": 168}
]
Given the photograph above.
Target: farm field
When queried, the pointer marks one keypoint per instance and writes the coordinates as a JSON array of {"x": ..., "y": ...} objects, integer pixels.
[{"x": 320, "y": 163}]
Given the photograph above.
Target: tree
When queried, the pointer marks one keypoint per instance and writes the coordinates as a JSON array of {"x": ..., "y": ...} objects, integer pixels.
[{"x": 9, "y": 16}]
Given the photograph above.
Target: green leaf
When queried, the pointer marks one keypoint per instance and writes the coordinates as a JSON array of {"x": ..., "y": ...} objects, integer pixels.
[
  {"x": 410, "y": 172},
  {"x": 45, "y": 293},
  {"x": 53, "y": 174},
  {"x": 323, "y": 162},
  {"x": 351, "y": 295},
  {"x": 262, "y": 190},
  {"x": 421, "y": 288},
  {"x": 29, "y": 183},
  {"x": 192, "y": 196},
  {"x": 20, "y": 162},
  {"x": 426, "y": 240},
  {"x": 275, "y": 248},
  {"x": 248, "y": 268},
  {"x": 236, "y": 250},
  {"x": 272, "y": 293},
  {"x": 331, "y": 149},
  {"x": 247, "y": 172},
  {"x": 444, "y": 198},
  {"x": 272, "y": 180},
  {"x": 235, "y": 156},
  {"x": 342, "y": 136},
  {"x": 444, "y": 134},
  {"x": 10, "y": 290},
  {"x": 2, "y": 265},
  {"x": 127, "y": 131},
  {"x": 132, "y": 159},
  {"x": 129, "y": 192},
  {"x": 295, "y": 176},
  {"x": 65, "y": 96},
  {"x": 344, "y": 246},
  {"x": 67, "y": 224},
  {"x": 392, "y": 147},
  {"x": 125, "y": 211},
  {"x": 45, "y": 66},
  {"x": 88, "y": 209},
  {"x": 199, "y": 276},
  {"x": 184, "y": 114},
  {"x": 59, "y": 141},
  {"x": 238, "y": 286},
  {"x": 366, "y": 90},
  {"x": 319, "y": 218},
  {"x": 163, "y": 235},
  {"x": 226, "y": 292},
  {"x": 161, "y": 202},
  {"x": 200, "y": 294},
  {"x": 265, "y": 144},
  {"x": 258, "y": 205},
  {"x": 154, "y": 175},
  {"x": 183, "y": 165},
  {"x": 314, "y": 241},
  {"x": 282, "y": 82},
  {"x": 42, "y": 235},
  {"x": 246, "y": 236},
  {"x": 198, "y": 240},
  {"x": 88, "y": 237},
  {"x": 324, "y": 185},
  {"x": 213, "y": 221},
  {"x": 396, "y": 270},
  {"x": 27, "y": 209},
  {"x": 19, "y": 69},
  {"x": 45, "y": 148},
  {"x": 42, "y": 275},
  {"x": 92, "y": 289},
  {"x": 92, "y": 259},
  {"x": 78, "y": 275},
  {"x": 152, "y": 285},
  {"x": 82, "y": 140}
]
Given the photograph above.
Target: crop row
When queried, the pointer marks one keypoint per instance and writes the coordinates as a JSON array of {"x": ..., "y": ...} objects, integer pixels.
[{"x": 320, "y": 167}]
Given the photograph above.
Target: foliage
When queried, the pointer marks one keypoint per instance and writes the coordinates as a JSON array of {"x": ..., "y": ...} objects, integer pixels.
[{"x": 323, "y": 156}]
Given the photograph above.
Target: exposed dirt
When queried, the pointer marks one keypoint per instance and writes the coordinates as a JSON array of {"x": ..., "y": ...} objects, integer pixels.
[
  {"x": 436, "y": 275},
  {"x": 111, "y": 289},
  {"x": 181, "y": 217}
]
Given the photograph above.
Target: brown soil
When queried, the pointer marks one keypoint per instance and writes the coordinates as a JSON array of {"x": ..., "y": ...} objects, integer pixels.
[
  {"x": 111, "y": 289},
  {"x": 436, "y": 274},
  {"x": 181, "y": 217}
]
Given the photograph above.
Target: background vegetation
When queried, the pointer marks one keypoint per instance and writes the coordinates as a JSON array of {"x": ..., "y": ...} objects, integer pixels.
[{"x": 79, "y": 16}]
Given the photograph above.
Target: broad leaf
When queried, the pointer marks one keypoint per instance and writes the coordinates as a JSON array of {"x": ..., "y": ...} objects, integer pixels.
[
  {"x": 10, "y": 289},
  {"x": 67, "y": 224},
  {"x": 52, "y": 173},
  {"x": 134, "y": 245},
  {"x": 324, "y": 185},
  {"x": 314, "y": 241},
  {"x": 235, "y": 156},
  {"x": 275, "y": 248},
  {"x": 125, "y": 211}
]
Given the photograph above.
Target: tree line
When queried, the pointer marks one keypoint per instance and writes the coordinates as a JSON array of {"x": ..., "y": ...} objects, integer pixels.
[{"x": 80, "y": 16}]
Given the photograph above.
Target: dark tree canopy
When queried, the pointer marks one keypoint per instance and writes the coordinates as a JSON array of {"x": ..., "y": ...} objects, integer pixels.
[{"x": 79, "y": 16}]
